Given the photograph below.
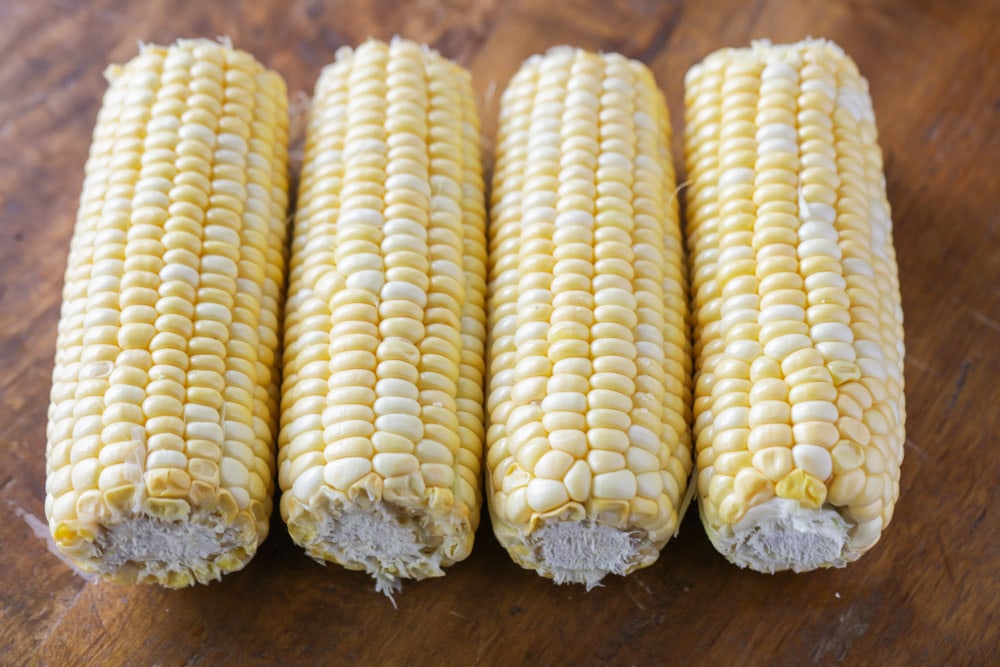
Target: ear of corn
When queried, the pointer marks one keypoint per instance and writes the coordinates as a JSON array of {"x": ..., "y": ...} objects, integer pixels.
[
  {"x": 588, "y": 445},
  {"x": 382, "y": 423},
  {"x": 799, "y": 407},
  {"x": 160, "y": 444}
]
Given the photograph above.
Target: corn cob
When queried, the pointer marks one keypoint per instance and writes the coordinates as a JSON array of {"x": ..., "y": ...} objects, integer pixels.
[
  {"x": 382, "y": 424},
  {"x": 164, "y": 401},
  {"x": 799, "y": 407},
  {"x": 589, "y": 389}
]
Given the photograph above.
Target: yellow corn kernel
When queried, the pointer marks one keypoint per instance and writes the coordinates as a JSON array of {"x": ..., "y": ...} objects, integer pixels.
[
  {"x": 589, "y": 451},
  {"x": 161, "y": 428},
  {"x": 798, "y": 325},
  {"x": 382, "y": 420}
]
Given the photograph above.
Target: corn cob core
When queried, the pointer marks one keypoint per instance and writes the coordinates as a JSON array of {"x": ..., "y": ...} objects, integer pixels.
[
  {"x": 588, "y": 445},
  {"x": 799, "y": 407},
  {"x": 164, "y": 398},
  {"x": 382, "y": 418}
]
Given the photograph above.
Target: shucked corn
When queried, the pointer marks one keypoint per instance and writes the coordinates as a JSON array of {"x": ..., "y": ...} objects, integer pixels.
[
  {"x": 588, "y": 445},
  {"x": 165, "y": 392},
  {"x": 164, "y": 400},
  {"x": 799, "y": 407},
  {"x": 382, "y": 418}
]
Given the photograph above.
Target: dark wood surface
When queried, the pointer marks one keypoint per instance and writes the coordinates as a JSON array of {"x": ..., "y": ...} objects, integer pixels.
[{"x": 927, "y": 594}]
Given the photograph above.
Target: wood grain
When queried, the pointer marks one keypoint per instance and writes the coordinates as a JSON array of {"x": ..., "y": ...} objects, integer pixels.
[{"x": 926, "y": 595}]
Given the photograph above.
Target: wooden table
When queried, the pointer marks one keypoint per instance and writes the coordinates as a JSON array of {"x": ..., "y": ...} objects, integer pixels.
[{"x": 926, "y": 595}]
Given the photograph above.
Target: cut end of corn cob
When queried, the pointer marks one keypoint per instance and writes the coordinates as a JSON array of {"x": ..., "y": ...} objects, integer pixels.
[
  {"x": 582, "y": 552},
  {"x": 382, "y": 422},
  {"x": 780, "y": 535},
  {"x": 799, "y": 406},
  {"x": 588, "y": 446},
  {"x": 390, "y": 541},
  {"x": 141, "y": 547},
  {"x": 163, "y": 411}
]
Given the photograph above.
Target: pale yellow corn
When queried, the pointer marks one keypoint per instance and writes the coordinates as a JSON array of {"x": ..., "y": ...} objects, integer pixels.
[
  {"x": 382, "y": 418},
  {"x": 161, "y": 427},
  {"x": 799, "y": 409},
  {"x": 588, "y": 444}
]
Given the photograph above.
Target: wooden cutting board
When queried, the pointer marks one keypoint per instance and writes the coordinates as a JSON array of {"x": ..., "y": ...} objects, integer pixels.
[{"x": 926, "y": 595}]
